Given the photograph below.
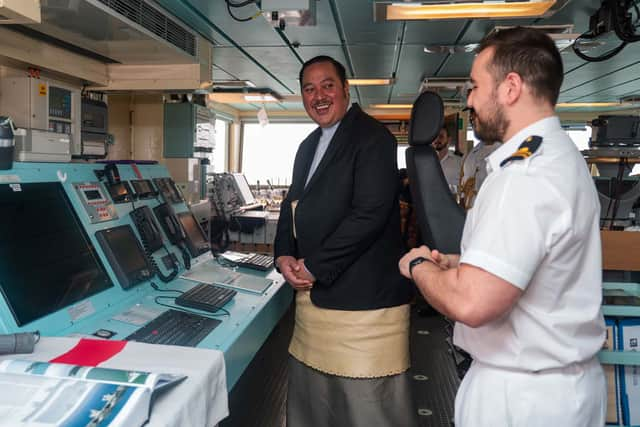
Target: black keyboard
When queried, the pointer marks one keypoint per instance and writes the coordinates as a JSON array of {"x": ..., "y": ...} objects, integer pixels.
[
  {"x": 175, "y": 328},
  {"x": 206, "y": 297},
  {"x": 257, "y": 262}
]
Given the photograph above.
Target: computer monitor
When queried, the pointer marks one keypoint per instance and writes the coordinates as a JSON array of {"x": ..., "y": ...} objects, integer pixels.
[
  {"x": 243, "y": 189},
  {"x": 197, "y": 242},
  {"x": 168, "y": 189},
  {"x": 47, "y": 260},
  {"x": 143, "y": 188},
  {"x": 125, "y": 254}
]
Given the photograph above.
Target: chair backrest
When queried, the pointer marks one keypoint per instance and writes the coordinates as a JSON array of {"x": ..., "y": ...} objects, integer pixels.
[{"x": 439, "y": 216}]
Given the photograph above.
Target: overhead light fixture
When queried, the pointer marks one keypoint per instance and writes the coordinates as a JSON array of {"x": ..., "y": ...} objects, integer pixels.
[
  {"x": 232, "y": 83},
  {"x": 241, "y": 96},
  {"x": 448, "y": 102},
  {"x": 396, "y": 11},
  {"x": 260, "y": 98},
  {"x": 392, "y": 106},
  {"x": 371, "y": 82},
  {"x": 593, "y": 104}
]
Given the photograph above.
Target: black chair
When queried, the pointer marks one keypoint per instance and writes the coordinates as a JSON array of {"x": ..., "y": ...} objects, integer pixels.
[{"x": 439, "y": 216}]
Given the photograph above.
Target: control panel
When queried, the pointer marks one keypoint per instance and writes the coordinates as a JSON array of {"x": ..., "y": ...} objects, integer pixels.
[{"x": 98, "y": 206}]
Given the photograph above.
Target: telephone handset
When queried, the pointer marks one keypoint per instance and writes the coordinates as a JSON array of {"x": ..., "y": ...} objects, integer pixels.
[
  {"x": 147, "y": 227},
  {"x": 151, "y": 239},
  {"x": 173, "y": 229}
]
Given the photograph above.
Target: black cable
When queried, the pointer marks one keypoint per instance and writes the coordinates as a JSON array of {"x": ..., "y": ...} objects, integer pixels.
[
  {"x": 241, "y": 4},
  {"x": 157, "y": 288},
  {"x": 618, "y": 12},
  {"x": 235, "y": 18},
  {"x": 177, "y": 308},
  {"x": 608, "y": 55}
]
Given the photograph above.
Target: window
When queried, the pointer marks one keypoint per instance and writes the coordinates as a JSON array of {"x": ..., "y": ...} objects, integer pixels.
[
  {"x": 580, "y": 136},
  {"x": 219, "y": 156},
  {"x": 402, "y": 160},
  {"x": 471, "y": 136},
  {"x": 268, "y": 152}
]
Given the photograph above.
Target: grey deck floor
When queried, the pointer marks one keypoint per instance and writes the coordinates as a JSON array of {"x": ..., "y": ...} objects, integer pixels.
[{"x": 259, "y": 397}]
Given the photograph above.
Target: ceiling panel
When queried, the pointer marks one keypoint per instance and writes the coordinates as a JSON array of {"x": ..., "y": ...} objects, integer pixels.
[
  {"x": 256, "y": 51},
  {"x": 356, "y": 17}
]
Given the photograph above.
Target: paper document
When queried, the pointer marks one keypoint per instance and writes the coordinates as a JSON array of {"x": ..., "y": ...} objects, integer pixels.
[{"x": 55, "y": 394}]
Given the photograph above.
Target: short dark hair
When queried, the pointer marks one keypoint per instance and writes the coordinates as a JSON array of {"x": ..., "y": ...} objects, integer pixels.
[
  {"x": 530, "y": 53},
  {"x": 342, "y": 73}
]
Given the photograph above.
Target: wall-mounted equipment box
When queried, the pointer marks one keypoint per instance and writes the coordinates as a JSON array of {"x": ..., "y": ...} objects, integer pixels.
[
  {"x": 48, "y": 110},
  {"x": 189, "y": 130}
]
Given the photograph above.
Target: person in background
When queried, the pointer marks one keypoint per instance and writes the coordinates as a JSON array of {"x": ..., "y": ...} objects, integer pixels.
[
  {"x": 526, "y": 290},
  {"x": 450, "y": 162},
  {"x": 338, "y": 244},
  {"x": 474, "y": 169}
]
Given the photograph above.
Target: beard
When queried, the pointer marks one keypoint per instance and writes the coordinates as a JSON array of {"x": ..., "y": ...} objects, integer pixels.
[{"x": 492, "y": 128}]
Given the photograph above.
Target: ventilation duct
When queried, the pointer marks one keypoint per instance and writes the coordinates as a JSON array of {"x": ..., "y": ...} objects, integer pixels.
[{"x": 125, "y": 31}]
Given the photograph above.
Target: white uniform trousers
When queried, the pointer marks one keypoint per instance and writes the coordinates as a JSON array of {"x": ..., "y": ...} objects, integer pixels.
[{"x": 573, "y": 396}]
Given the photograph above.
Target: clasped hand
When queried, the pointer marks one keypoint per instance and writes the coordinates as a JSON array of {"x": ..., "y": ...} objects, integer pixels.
[{"x": 295, "y": 272}]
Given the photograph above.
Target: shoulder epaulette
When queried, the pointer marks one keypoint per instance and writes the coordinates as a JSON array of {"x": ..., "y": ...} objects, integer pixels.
[{"x": 526, "y": 149}]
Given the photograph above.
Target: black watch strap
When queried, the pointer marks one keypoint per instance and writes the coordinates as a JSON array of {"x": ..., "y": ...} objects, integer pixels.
[{"x": 414, "y": 262}]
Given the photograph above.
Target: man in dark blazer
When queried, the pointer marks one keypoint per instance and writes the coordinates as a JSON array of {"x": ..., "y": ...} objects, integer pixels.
[{"x": 338, "y": 244}]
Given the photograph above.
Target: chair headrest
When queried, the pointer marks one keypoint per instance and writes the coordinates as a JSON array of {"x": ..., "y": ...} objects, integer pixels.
[{"x": 427, "y": 118}]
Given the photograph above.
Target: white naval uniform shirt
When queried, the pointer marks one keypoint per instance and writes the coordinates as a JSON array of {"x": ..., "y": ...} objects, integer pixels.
[{"x": 535, "y": 224}]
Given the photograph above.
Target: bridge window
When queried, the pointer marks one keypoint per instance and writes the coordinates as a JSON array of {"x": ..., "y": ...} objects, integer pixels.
[{"x": 268, "y": 152}]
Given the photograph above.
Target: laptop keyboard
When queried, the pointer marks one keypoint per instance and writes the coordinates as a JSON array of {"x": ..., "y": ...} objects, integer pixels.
[
  {"x": 175, "y": 327},
  {"x": 206, "y": 297},
  {"x": 257, "y": 262}
]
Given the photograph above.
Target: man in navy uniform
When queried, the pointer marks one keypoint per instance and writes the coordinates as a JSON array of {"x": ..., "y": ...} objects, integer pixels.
[{"x": 526, "y": 290}]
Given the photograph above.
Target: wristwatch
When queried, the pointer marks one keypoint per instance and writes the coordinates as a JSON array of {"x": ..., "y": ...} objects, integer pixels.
[{"x": 414, "y": 262}]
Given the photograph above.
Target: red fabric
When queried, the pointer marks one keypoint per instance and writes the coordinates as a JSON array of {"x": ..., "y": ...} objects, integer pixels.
[
  {"x": 136, "y": 170},
  {"x": 89, "y": 352}
]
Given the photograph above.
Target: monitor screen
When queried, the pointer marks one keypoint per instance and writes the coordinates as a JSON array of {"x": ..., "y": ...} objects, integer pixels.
[
  {"x": 143, "y": 188},
  {"x": 48, "y": 261},
  {"x": 125, "y": 254},
  {"x": 244, "y": 189},
  {"x": 120, "y": 192},
  {"x": 197, "y": 241},
  {"x": 168, "y": 189}
]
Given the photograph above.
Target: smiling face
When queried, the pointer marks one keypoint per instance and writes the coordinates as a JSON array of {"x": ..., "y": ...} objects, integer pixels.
[
  {"x": 489, "y": 120},
  {"x": 324, "y": 96}
]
